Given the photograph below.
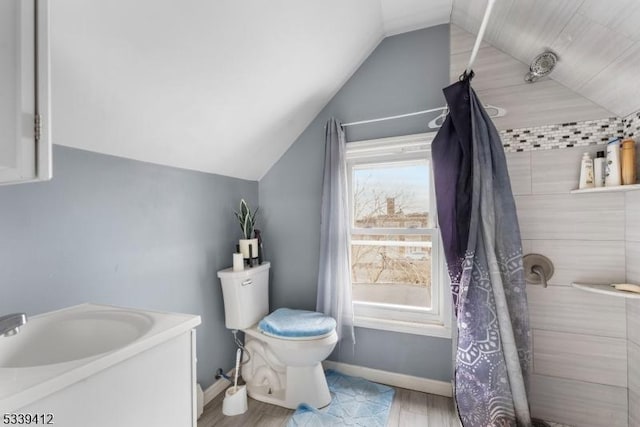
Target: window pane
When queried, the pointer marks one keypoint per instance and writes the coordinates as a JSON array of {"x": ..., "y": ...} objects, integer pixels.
[
  {"x": 392, "y": 269},
  {"x": 391, "y": 196}
]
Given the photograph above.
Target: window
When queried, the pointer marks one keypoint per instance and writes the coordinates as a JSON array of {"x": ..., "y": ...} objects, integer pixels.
[{"x": 396, "y": 267}]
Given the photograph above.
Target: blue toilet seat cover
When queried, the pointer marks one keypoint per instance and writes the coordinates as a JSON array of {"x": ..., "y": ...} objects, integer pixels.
[{"x": 288, "y": 323}]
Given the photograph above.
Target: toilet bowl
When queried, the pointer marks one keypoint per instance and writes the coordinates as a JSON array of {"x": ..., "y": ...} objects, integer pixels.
[
  {"x": 284, "y": 351},
  {"x": 287, "y": 372}
]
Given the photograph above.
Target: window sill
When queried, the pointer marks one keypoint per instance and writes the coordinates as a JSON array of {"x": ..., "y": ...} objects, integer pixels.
[{"x": 425, "y": 329}]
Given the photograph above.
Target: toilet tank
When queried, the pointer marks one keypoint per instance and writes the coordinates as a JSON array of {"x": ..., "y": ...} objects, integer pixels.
[{"x": 246, "y": 295}]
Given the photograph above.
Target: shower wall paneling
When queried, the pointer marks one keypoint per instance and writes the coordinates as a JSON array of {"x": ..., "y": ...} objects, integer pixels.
[
  {"x": 579, "y": 339},
  {"x": 632, "y": 241}
]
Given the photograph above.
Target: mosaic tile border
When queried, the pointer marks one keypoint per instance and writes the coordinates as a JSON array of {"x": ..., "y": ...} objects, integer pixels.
[
  {"x": 631, "y": 125},
  {"x": 573, "y": 134},
  {"x": 563, "y": 135}
]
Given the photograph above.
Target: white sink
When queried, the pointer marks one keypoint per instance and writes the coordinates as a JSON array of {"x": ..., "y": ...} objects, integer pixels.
[
  {"x": 69, "y": 336},
  {"x": 55, "y": 350}
]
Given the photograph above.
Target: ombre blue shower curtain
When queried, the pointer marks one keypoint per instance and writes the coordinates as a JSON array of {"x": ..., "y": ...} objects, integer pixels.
[{"x": 481, "y": 238}]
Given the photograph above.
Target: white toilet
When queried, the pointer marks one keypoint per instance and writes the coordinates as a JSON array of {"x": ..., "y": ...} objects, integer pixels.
[{"x": 286, "y": 348}]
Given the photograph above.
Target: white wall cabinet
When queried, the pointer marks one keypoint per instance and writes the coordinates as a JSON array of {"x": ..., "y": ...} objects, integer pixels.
[{"x": 25, "y": 128}]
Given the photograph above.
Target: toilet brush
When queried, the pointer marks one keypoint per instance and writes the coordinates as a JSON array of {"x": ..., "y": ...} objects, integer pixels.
[
  {"x": 235, "y": 379},
  {"x": 235, "y": 399}
]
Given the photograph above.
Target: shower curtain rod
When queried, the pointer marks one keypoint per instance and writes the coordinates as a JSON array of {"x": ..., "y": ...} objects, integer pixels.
[
  {"x": 483, "y": 27},
  {"x": 400, "y": 116},
  {"x": 472, "y": 59},
  {"x": 500, "y": 112}
]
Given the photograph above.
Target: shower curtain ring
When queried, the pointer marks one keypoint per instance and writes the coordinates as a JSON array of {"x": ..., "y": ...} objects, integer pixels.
[{"x": 464, "y": 76}]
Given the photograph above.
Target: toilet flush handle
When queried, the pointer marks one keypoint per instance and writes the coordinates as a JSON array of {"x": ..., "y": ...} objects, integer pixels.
[{"x": 247, "y": 282}]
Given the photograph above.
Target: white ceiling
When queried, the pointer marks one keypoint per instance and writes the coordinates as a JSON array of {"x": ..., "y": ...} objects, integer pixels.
[
  {"x": 226, "y": 86},
  {"x": 400, "y": 16},
  {"x": 220, "y": 86}
]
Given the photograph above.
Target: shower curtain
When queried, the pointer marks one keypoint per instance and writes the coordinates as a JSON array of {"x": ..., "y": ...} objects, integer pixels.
[
  {"x": 334, "y": 275},
  {"x": 481, "y": 238}
]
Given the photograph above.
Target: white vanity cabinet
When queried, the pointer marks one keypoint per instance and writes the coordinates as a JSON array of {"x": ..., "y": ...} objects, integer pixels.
[
  {"x": 25, "y": 129},
  {"x": 96, "y": 365}
]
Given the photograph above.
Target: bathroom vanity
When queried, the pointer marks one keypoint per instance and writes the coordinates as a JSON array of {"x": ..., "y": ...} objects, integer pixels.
[{"x": 101, "y": 366}]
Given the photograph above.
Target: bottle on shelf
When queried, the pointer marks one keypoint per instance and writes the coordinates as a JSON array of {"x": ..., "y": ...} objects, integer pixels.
[
  {"x": 586, "y": 172},
  {"x": 613, "y": 177},
  {"x": 599, "y": 169},
  {"x": 628, "y": 162}
]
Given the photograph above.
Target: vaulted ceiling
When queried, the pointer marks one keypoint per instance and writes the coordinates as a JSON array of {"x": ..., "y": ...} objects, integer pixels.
[
  {"x": 222, "y": 86},
  {"x": 226, "y": 86}
]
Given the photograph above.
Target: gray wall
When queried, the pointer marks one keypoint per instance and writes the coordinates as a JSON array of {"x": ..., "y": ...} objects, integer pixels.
[
  {"x": 405, "y": 73},
  {"x": 116, "y": 231}
]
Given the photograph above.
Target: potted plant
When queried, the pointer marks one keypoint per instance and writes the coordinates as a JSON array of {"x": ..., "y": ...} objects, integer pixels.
[{"x": 247, "y": 222}]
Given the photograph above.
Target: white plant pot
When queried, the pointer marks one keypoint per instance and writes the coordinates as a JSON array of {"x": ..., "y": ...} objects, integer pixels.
[{"x": 244, "y": 247}]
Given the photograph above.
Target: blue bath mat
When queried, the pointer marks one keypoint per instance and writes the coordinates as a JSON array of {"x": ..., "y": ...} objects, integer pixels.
[{"x": 355, "y": 401}]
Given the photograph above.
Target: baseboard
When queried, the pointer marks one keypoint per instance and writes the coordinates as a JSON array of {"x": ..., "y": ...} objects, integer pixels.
[
  {"x": 216, "y": 388},
  {"x": 426, "y": 385}
]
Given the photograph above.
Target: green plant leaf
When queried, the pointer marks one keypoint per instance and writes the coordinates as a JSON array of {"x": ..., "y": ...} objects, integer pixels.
[
  {"x": 246, "y": 219},
  {"x": 246, "y": 227}
]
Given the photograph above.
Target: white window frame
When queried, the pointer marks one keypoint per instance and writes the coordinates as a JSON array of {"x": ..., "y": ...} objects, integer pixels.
[{"x": 434, "y": 321}]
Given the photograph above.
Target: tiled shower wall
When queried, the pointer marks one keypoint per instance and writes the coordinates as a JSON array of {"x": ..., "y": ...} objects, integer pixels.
[
  {"x": 632, "y": 240},
  {"x": 580, "y": 372},
  {"x": 579, "y": 338}
]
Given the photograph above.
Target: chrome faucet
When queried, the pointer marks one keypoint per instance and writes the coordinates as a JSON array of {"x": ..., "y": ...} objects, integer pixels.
[{"x": 10, "y": 324}]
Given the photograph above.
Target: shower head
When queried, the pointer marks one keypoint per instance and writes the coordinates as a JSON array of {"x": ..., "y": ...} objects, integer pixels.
[{"x": 541, "y": 66}]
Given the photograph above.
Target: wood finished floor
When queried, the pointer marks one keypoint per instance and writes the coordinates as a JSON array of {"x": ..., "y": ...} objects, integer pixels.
[{"x": 409, "y": 408}]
